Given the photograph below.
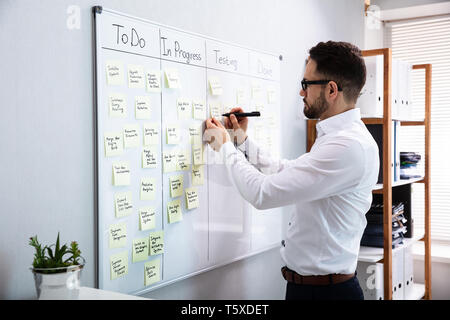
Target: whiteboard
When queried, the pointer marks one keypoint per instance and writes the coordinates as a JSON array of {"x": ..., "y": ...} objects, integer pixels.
[{"x": 129, "y": 52}]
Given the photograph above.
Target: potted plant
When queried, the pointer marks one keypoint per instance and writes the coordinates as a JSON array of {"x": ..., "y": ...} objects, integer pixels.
[{"x": 57, "y": 272}]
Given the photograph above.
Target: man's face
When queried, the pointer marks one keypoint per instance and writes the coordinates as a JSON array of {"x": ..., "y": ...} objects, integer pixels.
[{"x": 314, "y": 95}]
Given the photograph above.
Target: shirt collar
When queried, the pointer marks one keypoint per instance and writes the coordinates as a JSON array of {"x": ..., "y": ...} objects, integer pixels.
[{"x": 337, "y": 122}]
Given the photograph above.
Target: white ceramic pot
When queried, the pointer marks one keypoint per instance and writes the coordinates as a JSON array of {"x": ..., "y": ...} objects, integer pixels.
[{"x": 64, "y": 285}]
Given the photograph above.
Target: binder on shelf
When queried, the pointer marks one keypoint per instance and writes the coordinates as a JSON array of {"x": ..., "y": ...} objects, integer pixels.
[
  {"x": 370, "y": 101},
  {"x": 408, "y": 271},
  {"x": 395, "y": 84}
]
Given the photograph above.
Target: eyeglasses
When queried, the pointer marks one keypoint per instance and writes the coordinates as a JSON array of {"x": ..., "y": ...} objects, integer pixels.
[{"x": 306, "y": 83}]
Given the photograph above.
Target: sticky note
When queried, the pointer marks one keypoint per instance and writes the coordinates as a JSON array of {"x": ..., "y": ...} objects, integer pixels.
[
  {"x": 123, "y": 204},
  {"x": 117, "y": 105},
  {"x": 198, "y": 110},
  {"x": 140, "y": 249},
  {"x": 117, "y": 235},
  {"x": 169, "y": 161},
  {"x": 113, "y": 144},
  {"x": 183, "y": 160},
  {"x": 156, "y": 242},
  {"x": 173, "y": 134},
  {"x": 148, "y": 188},
  {"x": 240, "y": 96},
  {"x": 215, "y": 86},
  {"x": 114, "y": 73},
  {"x": 184, "y": 108},
  {"x": 136, "y": 77},
  {"x": 119, "y": 265},
  {"x": 131, "y": 136},
  {"x": 192, "y": 200},
  {"x": 121, "y": 173},
  {"x": 197, "y": 175},
  {"x": 151, "y": 134},
  {"x": 195, "y": 134},
  {"x": 147, "y": 216},
  {"x": 142, "y": 107},
  {"x": 176, "y": 186},
  {"x": 153, "y": 80},
  {"x": 271, "y": 95},
  {"x": 149, "y": 157},
  {"x": 152, "y": 272},
  {"x": 197, "y": 154},
  {"x": 257, "y": 91},
  {"x": 174, "y": 211},
  {"x": 215, "y": 110},
  {"x": 172, "y": 78}
]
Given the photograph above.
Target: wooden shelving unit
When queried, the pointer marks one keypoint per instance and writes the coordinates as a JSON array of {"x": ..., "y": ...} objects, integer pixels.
[{"x": 385, "y": 254}]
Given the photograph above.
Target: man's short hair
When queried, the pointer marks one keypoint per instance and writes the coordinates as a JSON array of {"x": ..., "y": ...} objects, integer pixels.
[{"x": 343, "y": 63}]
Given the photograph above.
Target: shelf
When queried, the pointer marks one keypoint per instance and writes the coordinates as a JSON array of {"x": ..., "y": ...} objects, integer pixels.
[
  {"x": 379, "y": 186},
  {"x": 372, "y": 254},
  {"x": 404, "y": 122},
  {"x": 417, "y": 292}
]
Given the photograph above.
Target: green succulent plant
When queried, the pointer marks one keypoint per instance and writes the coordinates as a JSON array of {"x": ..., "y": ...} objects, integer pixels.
[{"x": 62, "y": 256}]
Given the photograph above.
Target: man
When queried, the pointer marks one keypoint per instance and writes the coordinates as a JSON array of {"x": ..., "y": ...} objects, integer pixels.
[{"x": 331, "y": 186}]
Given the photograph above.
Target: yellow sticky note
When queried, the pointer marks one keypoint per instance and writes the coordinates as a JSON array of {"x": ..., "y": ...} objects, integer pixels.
[
  {"x": 215, "y": 86},
  {"x": 184, "y": 108},
  {"x": 198, "y": 110},
  {"x": 240, "y": 96},
  {"x": 151, "y": 134},
  {"x": 183, "y": 160},
  {"x": 257, "y": 91},
  {"x": 153, "y": 80},
  {"x": 156, "y": 242},
  {"x": 114, "y": 73},
  {"x": 149, "y": 157},
  {"x": 121, "y": 173},
  {"x": 176, "y": 186},
  {"x": 197, "y": 154},
  {"x": 271, "y": 95},
  {"x": 142, "y": 107},
  {"x": 216, "y": 110},
  {"x": 172, "y": 79},
  {"x": 173, "y": 134},
  {"x": 148, "y": 188},
  {"x": 131, "y": 136},
  {"x": 152, "y": 272},
  {"x": 119, "y": 265},
  {"x": 174, "y": 211},
  {"x": 136, "y": 77},
  {"x": 140, "y": 249},
  {"x": 113, "y": 144},
  {"x": 147, "y": 216},
  {"x": 197, "y": 175},
  {"x": 123, "y": 204},
  {"x": 117, "y": 105},
  {"x": 195, "y": 134},
  {"x": 117, "y": 235},
  {"x": 192, "y": 200},
  {"x": 169, "y": 161}
]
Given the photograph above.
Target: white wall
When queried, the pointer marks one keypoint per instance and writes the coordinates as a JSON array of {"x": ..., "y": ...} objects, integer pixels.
[{"x": 46, "y": 122}]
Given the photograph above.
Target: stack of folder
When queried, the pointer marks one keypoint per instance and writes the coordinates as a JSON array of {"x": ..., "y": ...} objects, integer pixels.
[
  {"x": 408, "y": 165},
  {"x": 373, "y": 234}
]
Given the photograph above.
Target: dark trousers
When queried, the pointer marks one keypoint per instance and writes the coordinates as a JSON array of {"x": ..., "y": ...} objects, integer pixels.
[{"x": 347, "y": 290}]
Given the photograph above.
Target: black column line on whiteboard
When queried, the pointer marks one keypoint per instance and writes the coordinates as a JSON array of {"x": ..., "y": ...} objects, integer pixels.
[
  {"x": 163, "y": 210},
  {"x": 137, "y": 54},
  {"x": 207, "y": 159}
]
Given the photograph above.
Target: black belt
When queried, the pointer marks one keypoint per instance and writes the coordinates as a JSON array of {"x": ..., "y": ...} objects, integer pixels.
[{"x": 322, "y": 280}]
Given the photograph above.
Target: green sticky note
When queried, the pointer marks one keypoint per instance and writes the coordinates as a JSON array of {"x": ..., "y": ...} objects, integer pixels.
[
  {"x": 131, "y": 136},
  {"x": 149, "y": 157},
  {"x": 173, "y": 135},
  {"x": 151, "y": 134},
  {"x": 183, "y": 160},
  {"x": 156, "y": 242},
  {"x": 174, "y": 211},
  {"x": 121, "y": 173},
  {"x": 169, "y": 162},
  {"x": 197, "y": 175},
  {"x": 184, "y": 108},
  {"x": 119, "y": 265},
  {"x": 113, "y": 144},
  {"x": 197, "y": 154},
  {"x": 140, "y": 249},
  {"x": 123, "y": 204},
  {"x": 152, "y": 272},
  {"x": 147, "y": 216},
  {"x": 198, "y": 109},
  {"x": 176, "y": 186},
  {"x": 192, "y": 200},
  {"x": 118, "y": 235},
  {"x": 148, "y": 188}
]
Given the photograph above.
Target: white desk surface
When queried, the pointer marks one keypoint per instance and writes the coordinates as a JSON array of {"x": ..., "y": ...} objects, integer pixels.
[{"x": 87, "y": 293}]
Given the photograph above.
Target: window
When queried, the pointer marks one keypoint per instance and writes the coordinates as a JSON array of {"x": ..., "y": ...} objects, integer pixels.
[{"x": 420, "y": 41}]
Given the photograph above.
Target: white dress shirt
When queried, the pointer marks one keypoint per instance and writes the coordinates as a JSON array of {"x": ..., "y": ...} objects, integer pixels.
[{"x": 330, "y": 186}]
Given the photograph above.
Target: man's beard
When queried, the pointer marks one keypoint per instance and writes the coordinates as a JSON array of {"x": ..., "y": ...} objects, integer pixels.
[{"x": 317, "y": 108}]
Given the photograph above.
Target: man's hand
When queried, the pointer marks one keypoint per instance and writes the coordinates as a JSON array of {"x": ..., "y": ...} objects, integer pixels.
[
  {"x": 215, "y": 134},
  {"x": 239, "y": 126}
]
